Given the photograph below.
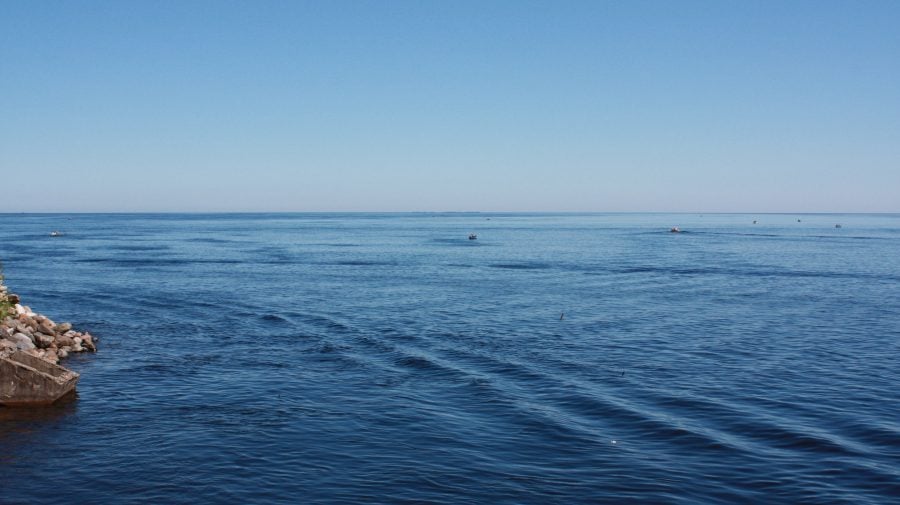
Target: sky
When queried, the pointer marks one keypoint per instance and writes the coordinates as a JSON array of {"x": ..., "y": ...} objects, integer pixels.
[{"x": 487, "y": 105}]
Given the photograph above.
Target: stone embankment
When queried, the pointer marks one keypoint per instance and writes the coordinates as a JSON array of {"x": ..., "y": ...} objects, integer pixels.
[{"x": 23, "y": 330}]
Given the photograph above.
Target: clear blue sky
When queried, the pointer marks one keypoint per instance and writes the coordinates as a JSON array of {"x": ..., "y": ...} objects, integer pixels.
[{"x": 430, "y": 105}]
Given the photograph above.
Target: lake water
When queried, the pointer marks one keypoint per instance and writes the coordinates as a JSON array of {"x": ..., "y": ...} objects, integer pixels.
[{"x": 386, "y": 358}]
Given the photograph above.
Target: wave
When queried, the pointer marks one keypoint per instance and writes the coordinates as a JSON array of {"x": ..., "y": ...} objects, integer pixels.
[
  {"x": 150, "y": 262},
  {"x": 527, "y": 265}
]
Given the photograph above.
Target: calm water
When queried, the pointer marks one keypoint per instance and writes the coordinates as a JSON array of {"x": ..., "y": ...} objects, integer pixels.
[{"x": 387, "y": 359}]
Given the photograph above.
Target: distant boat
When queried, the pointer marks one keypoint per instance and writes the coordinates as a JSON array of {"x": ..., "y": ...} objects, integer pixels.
[
  {"x": 675, "y": 229},
  {"x": 56, "y": 233},
  {"x": 837, "y": 226},
  {"x": 472, "y": 236},
  {"x": 754, "y": 221}
]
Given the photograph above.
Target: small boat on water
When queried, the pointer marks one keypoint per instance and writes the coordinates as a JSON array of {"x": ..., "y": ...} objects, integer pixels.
[
  {"x": 55, "y": 233},
  {"x": 675, "y": 229},
  {"x": 837, "y": 226},
  {"x": 27, "y": 380},
  {"x": 472, "y": 236}
]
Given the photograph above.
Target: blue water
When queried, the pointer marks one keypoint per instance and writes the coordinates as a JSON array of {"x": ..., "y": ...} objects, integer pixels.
[{"x": 385, "y": 358}]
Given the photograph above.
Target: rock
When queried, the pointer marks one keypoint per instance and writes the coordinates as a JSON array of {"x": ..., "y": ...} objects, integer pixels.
[
  {"x": 37, "y": 335},
  {"x": 19, "y": 336},
  {"x": 50, "y": 355},
  {"x": 43, "y": 341},
  {"x": 47, "y": 327},
  {"x": 22, "y": 341},
  {"x": 24, "y": 310},
  {"x": 64, "y": 340}
]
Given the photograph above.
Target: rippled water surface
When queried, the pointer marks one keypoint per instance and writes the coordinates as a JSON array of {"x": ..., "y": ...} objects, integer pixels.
[{"x": 341, "y": 358}]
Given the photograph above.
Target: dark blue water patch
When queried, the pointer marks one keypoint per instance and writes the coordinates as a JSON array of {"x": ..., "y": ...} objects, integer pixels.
[
  {"x": 159, "y": 369},
  {"x": 275, "y": 318},
  {"x": 522, "y": 266},
  {"x": 459, "y": 242},
  {"x": 157, "y": 262},
  {"x": 758, "y": 272},
  {"x": 793, "y": 236},
  {"x": 323, "y": 322},
  {"x": 211, "y": 240},
  {"x": 138, "y": 247},
  {"x": 418, "y": 363},
  {"x": 741, "y": 234},
  {"x": 600, "y": 269},
  {"x": 363, "y": 263},
  {"x": 200, "y": 359},
  {"x": 850, "y": 237},
  {"x": 11, "y": 259}
]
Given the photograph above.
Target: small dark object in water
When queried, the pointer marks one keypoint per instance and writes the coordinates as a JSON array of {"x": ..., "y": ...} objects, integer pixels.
[
  {"x": 472, "y": 236},
  {"x": 675, "y": 229},
  {"x": 798, "y": 220},
  {"x": 754, "y": 221},
  {"x": 561, "y": 315},
  {"x": 837, "y": 226}
]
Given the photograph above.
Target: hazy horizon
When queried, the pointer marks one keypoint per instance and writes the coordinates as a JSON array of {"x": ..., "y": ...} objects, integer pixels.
[
  {"x": 461, "y": 107},
  {"x": 442, "y": 212}
]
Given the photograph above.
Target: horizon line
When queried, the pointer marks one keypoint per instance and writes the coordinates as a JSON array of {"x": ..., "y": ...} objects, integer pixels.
[{"x": 571, "y": 212}]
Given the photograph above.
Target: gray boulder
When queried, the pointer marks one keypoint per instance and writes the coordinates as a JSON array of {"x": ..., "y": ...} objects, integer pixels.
[{"x": 22, "y": 341}]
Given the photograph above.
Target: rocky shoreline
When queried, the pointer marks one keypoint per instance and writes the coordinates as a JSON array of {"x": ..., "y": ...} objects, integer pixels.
[{"x": 21, "y": 329}]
